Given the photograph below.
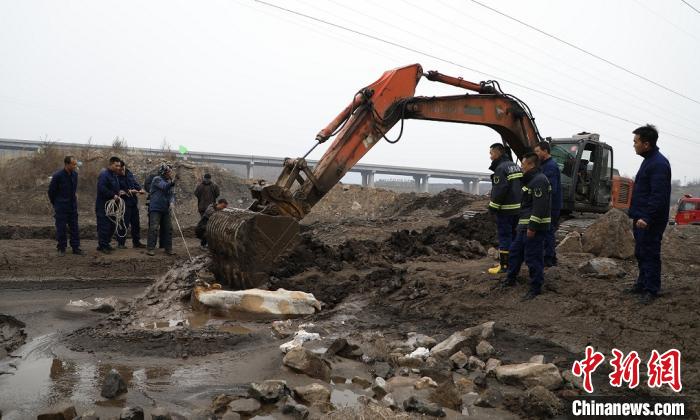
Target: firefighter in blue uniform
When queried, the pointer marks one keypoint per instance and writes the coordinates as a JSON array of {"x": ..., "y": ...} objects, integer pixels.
[
  {"x": 550, "y": 169},
  {"x": 651, "y": 199},
  {"x": 505, "y": 201},
  {"x": 533, "y": 225},
  {"x": 107, "y": 189},
  {"x": 128, "y": 183},
  {"x": 63, "y": 198}
]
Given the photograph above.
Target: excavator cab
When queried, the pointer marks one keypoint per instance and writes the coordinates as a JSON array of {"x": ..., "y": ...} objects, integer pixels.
[{"x": 586, "y": 166}]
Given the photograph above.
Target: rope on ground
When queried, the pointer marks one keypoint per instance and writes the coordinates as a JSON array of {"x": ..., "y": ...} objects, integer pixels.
[
  {"x": 172, "y": 209},
  {"x": 115, "y": 209}
]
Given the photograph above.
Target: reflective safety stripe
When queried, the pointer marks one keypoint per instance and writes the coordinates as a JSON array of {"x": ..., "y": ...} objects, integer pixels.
[
  {"x": 514, "y": 176},
  {"x": 526, "y": 189},
  {"x": 524, "y": 221},
  {"x": 494, "y": 205},
  {"x": 541, "y": 220},
  {"x": 510, "y": 206}
]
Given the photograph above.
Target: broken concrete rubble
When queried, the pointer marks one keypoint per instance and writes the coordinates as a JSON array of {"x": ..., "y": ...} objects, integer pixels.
[
  {"x": 300, "y": 337},
  {"x": 601, "y": 267},
  {"x": 485, "y": 350},
  {"x": 461, "y": 340},
  {"x": 459, "y": 359},
  {"x": 304, "y": 361},
  {"x": 530, "y": 375},
  {"x": 570, "y": 244},
  {"x": 313, "y": 393},
  {"x": 269, "y": 391}
]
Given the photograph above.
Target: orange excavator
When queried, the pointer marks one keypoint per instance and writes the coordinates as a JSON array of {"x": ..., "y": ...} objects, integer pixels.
[{"x": 244, "y": 243}]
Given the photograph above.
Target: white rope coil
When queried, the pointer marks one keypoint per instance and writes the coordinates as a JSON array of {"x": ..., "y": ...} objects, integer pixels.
[{"x": 115, "y": 209}]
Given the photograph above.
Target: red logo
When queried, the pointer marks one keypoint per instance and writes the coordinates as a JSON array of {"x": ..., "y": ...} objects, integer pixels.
[
  {"x": 587, "y": 366},
  {"x": 665, "y": 369},
  {"x": 625, "y": 369}
]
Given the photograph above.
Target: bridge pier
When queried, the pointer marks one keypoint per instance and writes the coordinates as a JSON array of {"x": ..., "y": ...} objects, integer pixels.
[
  {"x": 368, "y": 178},
  {"x": 421, "y": 182},
  {"x": 249, "y": 169},
  {"x": 471, "y": 185}
]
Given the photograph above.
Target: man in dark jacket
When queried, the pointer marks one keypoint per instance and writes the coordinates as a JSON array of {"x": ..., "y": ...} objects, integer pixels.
[
  {"x": 63, "y": 198},
  {"x": 533, "y": 225},
  {"x": 550, "y": 169},
  {"x": 506, "y": 193},
  {"x": 107, "y": 189},
  {"x": 651, "y": 199},
  {"x": 128, "y": 183},
  {"x": 162, "y": 192},
  {"x": 201, "y": 229},
  {"x": 207, "y": 192}
]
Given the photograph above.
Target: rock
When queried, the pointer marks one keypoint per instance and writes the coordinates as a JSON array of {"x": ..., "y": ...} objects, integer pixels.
[
  {"x": 573, "y": 381},
  {"x": 282, "y": 329},
  {"x": 420, "y": 353},
  {"x": 381, "y": 369},
  {"x": 570, "y": 244},
  {"x": 463, "y": 385},
  {"x": 459, "y": 359},
  {"x": 601, "y": 267},
  {"x": 300, "y": 337},
  {"x": 487, "y": 329},
  {"x": 464, "y": 340},
  {"x": 293, "y": 408},
  {"x": 493, "y": 254},
  {"x": 64, "y": 412},
  {"x": 413, "y": 404},
  {"x": 539, "y": 402},
  {"x": 257, "y": 301},
  {"x": 336, "y": 346},
  {"x": 484, "y": 349},
  {"x": 409, "y": 362},
  {"x": 350, "y": 351},
  {"x": 416, "y": 340},
  {"x": 245, "y": 406},
  {"x": 491, "y": 366},
  {"x": 361, "y": 382},
  {"x": 88, "y": 415},
  {"x": 231, "y": 416},
  {"x": 538, "y": 358},
  {"x": 302, "y": 360},
  {"x": 313, "y": 393},
  {"x": 269, "y": 391},
  {"x": 424, "y": 383},
  {"x": 131, "y": 413},
  {"x": 113, "y": 385},
  {"x": 220, "y": 403},
  {"x": 389, "y": 401},
  {"x": 379, "y": 387},
  {"x": 530, "y": 375},
  {"x": 610, "y": 236},
  {"x": 468, "y": 400},
  {"x": 474, "y": 363},
  {"x": 491, "y": 398},
  {"x": 160, "y": 413}
]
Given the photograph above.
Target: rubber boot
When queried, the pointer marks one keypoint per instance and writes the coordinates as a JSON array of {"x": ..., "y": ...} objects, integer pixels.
[{"x": 502, "y": 267}]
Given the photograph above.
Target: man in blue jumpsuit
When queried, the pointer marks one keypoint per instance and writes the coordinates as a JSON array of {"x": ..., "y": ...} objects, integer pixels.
[
  {"x": 533, "y": 225},
  {"x": 162, "y": 193},
  {"x": 505, "y": 201},
  {"x": 550, "y": 169},
  {"x": 63, "y": 198},
  {"x": 651, "y": 199},
  {"x": 107, "y": 189},
  {"x": 128, "y": 183}
]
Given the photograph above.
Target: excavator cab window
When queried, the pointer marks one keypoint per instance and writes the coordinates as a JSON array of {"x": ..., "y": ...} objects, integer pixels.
[{"x": 565, "y": 155}]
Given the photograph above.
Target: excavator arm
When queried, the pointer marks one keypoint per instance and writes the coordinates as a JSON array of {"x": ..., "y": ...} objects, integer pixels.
[{"x": 245, "y": 241}]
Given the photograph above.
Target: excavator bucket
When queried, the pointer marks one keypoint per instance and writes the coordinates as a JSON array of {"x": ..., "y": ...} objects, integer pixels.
[{"x": 244, "y": 245}]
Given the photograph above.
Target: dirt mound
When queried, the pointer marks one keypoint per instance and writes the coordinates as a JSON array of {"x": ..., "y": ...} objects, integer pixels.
[
  {"x": 449, "y": 202},
  {"x": 462, "y": 238},
  {"x": 12, "y": 334}
]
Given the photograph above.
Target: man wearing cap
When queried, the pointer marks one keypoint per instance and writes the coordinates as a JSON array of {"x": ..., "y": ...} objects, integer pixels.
[
  {"x": 207, "y": 192},
  {"x": 162, "y": 192}
]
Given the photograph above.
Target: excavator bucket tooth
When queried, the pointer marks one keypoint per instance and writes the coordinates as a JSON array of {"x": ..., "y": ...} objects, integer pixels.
[{"x": 245, "y": 244}]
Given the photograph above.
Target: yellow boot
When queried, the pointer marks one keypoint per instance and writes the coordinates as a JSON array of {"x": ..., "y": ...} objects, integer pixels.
[{"x": 502, "y": 267}]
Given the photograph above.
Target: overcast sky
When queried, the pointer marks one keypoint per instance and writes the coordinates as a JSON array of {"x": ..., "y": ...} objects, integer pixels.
[{"x": 239, "y": 76}]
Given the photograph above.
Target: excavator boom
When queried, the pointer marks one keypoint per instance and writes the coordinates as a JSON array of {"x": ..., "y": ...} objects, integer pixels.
[{"x": 247, "y": 241}]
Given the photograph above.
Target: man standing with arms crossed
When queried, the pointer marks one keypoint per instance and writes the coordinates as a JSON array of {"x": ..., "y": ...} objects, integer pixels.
[
  {"x": 651, "y": 200},
  {"x": 551, "y": 170}
]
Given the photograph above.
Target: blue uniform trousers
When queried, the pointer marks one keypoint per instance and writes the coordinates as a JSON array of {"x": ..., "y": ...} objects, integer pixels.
[
  {"x": 531, "y": 250},
  {"x": 131, "y": 222},
  {"x": 67, "y": 218},
  {"x": 550, "y": 242},
  {"x": 647, "y": 250},
  {"x": 105, "y": 228},
  {"x": 505, "y": 227}
]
